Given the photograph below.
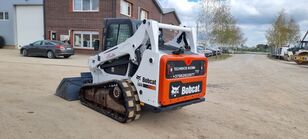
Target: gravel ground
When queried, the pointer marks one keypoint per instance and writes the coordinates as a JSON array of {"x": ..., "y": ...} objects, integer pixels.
[{"x": 249, "y": 96}]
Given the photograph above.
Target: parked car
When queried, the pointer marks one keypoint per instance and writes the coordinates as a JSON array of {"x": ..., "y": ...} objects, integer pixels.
[
  {"x": 215, "y": 50},
  {"x": 2, "y": 42},
  {"x": 224, "y": 50},
  {"x": 47, "y": 48},
  {"x": 202, "y": 50}
]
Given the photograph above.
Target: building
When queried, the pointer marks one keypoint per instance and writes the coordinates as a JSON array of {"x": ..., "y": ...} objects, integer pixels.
[
  {"x": 81, "y": 21},
  {"x": 21, "y": 21}
]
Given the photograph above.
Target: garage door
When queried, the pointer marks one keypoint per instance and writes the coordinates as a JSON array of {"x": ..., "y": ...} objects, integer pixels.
[{"x": 29, "y": 24}]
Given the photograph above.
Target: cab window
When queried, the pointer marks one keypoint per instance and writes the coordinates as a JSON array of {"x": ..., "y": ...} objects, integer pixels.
[
  {"x": 116, "y": 34},
  {"x": 49, "y": 43},
  {"x": 124, "y": 33},
  {"x": 37, "y": 43}
]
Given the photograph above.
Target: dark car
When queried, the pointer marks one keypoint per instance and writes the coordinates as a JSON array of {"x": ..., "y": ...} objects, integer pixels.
[
  {"x": 224, "y": 50},
  {"x": 215, "y": 50},
  {"x": 47, "y": 48}
]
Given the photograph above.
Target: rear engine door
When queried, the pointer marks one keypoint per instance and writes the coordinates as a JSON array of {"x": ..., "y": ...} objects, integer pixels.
[{"x": 182, "y": 78}]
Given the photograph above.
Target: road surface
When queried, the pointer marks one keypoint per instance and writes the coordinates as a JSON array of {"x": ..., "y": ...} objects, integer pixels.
[{"x": 249, "y": 96}]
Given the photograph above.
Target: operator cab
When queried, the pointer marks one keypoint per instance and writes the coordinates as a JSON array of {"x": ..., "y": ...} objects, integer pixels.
[
  {"x": 118, "y": 30},
  {"x": 301, "y": 45}
]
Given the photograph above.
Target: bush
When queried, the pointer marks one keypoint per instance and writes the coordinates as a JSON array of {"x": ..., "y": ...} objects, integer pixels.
[{"x": 2, "y": 42}]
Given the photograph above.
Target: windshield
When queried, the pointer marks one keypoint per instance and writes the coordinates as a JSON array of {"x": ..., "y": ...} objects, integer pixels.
[
  {"x": 305, "y": 45},
  {"x": 172, "y": 40}
]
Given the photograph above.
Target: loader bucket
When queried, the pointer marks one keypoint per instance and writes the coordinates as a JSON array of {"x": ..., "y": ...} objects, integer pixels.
[{"x": 69, "y": 88}]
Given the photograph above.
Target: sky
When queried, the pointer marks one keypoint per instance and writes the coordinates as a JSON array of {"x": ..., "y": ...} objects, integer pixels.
[{"x": 254, "y": 17}]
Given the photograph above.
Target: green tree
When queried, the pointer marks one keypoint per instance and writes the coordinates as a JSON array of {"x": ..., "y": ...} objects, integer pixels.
[
  {"x": 224, "y": 30},
  {"x": 284, "y": 31},
  {"x": 205, "y": 19}
]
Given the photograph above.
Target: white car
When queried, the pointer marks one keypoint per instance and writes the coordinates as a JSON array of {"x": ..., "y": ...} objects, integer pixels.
[{"x": 202, "y": 50}]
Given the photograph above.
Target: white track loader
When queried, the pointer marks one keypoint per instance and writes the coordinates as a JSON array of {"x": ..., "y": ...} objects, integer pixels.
[{"x": 138, "y": 70}]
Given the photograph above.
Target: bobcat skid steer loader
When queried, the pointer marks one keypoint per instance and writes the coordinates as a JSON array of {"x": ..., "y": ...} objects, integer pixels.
[{"x": 137, "y": 70}]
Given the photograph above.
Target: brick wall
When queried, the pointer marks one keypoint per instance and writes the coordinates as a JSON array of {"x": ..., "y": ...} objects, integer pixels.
[
  {"x": 137, "y": 5},
  {"x": 154, "y": 12},
  {"x": 60, "y": 18},
  {"x": 170, "y": 18}
]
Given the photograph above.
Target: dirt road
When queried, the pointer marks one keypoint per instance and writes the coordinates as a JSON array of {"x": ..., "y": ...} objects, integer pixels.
[{"x": 249, "y": 96}]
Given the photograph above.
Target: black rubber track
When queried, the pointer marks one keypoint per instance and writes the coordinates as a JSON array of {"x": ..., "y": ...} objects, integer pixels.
[{"x": 130, "y": 99}]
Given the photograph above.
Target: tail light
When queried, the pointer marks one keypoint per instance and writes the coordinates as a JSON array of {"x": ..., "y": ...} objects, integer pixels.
[
  {"x": 60, "y": 47},
  {"x": 169, "y": 70}
]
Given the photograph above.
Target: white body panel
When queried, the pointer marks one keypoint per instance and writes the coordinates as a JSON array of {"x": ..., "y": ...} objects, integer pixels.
[
  {"x": 284, "y": 51},
  {"x": 147, "y": 70},
  {"x": 151, "y": 71}
]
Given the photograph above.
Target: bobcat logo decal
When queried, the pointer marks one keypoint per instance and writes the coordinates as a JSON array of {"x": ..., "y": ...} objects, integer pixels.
[{"x": 175, "y": 90}]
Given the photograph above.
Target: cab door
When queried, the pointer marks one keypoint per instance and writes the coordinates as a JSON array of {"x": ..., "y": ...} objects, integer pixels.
[
  {"x": 117, "y": 31},
  {"x": 34, "y": 48},
  {"x": 46, "y": 45}
]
